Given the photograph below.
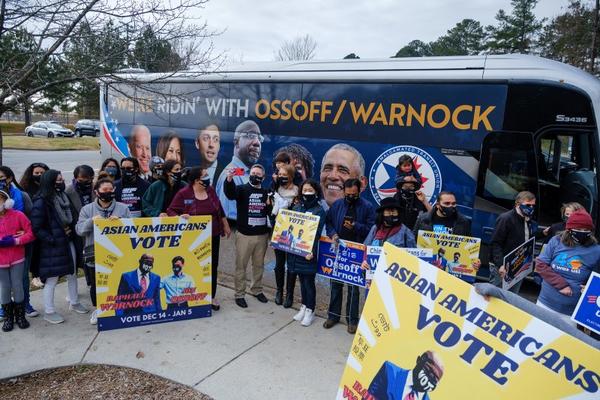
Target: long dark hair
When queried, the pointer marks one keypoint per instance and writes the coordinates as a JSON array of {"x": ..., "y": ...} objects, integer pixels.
[
  {"x": 567, "y": 240},
  {"x": 10, "y": 175},
  {"x": 168, "y": 167},
  {"x": 315, "y": 185},
  {"x": 27, "y": 182},
  {"x": 108, "y": 160},
  {"x": 162, "y": 147},
  {"x": 48, "y": 184}
]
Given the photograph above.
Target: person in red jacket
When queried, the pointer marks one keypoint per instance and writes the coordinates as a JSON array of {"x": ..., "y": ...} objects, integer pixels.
[
  {"x": 199, "y": 198},
  {"x": 15, "y": 233}
]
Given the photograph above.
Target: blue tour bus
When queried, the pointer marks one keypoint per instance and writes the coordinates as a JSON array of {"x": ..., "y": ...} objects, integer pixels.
[{"x": 483, "y": 127}]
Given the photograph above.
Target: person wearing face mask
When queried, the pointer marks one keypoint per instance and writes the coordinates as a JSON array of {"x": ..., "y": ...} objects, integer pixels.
[
  {"x": 283, "y": 198},
  {"x": 140, "y": 281},
  {"x": 130, "y": 189},
  {"x": 175, "y": 285},
  {"x": 9, "y": 184},
  {"x": 565, "y": 265},
  {"x": 111, "y": 167},
  {"x": 350, "y": 218},
  {"x": 160, "y": 194},
  {"x": 252, "y": 236},
  {"x": 156, "y": 168},
  {"x": 393, "y": 382},
  {"x": 444, "y": 218},
  {"x": 412, "y": 201},
  {"x": 105, "y": 206},
  {"x": 199, "y": 198},
  {"x": 15, "y": 232},
  {"x": 513, "y": 228},
  {"x": 53, "y": 224},
  {"x": 30, "y": 181},
  {"x": 306, "y": 267}
]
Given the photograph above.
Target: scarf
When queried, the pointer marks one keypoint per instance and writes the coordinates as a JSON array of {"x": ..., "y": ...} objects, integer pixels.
[
  {"x": 63, "y": 208},
  {"x": 383, "y": 232}
]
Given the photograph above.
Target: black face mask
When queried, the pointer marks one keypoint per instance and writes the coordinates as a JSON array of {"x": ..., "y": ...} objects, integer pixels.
[
  {"x": 256, "y": 180},
  {"x": 84, "y": 187},
  {"x": 391, "y": 220},
  {"x": 128, "y": 175},
  {"x": 309, "y": 200},
  {"x": 351, "y": 199},
  {"x": 106, "y": 197},
  {"x": 36, "y": 178},
  {"x": 3, "y": 185},
  {"x": 424, "y": 380},
  {"x": 580, "y": 237},
  {"x": 448, "y": 212},
  {"x": 176, "y": 177},
  {"x": 60, "y": 187},
  {"x": 205, "y": 182},
  {"x": 407, "y": 193},
  {"x": 283, "y": 180},
  {"x": 158, "y": 171},
  {"x": 177, "y": 269},
  {"x": 146, "y": 266}
]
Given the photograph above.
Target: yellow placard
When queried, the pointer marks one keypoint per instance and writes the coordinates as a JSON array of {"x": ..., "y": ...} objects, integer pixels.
[
  {"x": 455, "y": 254},
  {"x": 152, "y": 270},
  {"x": 295, "y": 232},
  {"x": 427, "y": 334}
]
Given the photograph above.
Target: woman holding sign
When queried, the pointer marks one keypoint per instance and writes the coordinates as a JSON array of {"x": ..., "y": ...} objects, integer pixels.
[
  {"x": 199, "y": 198},
  {"x": 566, "y": 263},
  {"x": 283, "y": 199},
  {"x": 389, "y": 228},
  {"x": 306, "y": 267}
]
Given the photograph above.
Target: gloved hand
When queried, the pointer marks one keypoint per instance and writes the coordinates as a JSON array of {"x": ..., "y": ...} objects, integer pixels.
[{"x": 8, "y": 241}]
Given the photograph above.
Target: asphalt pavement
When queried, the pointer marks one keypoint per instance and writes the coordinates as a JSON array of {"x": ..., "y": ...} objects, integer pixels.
[{"x": 64, "y": 161}]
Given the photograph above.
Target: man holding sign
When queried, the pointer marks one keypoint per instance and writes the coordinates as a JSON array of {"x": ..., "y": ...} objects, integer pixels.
[{"x": 350, "y": 218}]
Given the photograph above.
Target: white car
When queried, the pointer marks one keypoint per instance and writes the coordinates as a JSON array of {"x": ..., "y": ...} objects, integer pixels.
[{"x": 48, "y": 129}]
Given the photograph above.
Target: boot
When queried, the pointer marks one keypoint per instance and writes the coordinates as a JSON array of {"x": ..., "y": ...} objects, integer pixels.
[
  {"x": 9, "y": 317},
  {"x": 279, "y": 297},
  {"x": 289, "y": 299},
  {"x": 20, "y": 315}
]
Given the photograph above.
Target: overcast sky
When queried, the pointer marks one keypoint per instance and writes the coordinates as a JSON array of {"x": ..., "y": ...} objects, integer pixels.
[{"x": 369, "y": 28}]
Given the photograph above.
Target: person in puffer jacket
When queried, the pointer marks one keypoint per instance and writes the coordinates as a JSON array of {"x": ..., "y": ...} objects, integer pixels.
[{"x": 15, "y": 233}]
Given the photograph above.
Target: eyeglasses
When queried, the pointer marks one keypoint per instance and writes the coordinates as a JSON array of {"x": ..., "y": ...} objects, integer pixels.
[{"x": 252, "y": 136}]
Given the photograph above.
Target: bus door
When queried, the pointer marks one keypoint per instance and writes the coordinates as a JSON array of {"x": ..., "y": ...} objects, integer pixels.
[
  {"x": 507, "y": 166},
  {"x": 567, "y": 165}
]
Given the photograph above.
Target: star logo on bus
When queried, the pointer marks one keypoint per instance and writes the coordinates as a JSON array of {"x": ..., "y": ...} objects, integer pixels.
[{"x": 382, "y": 177}]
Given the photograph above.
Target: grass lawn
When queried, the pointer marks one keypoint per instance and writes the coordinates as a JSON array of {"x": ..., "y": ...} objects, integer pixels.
[
  {"x": 38, "y": 143},
  {"x": 10, "y": 128}
]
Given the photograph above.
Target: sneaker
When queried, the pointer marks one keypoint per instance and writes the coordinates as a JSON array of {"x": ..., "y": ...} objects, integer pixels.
[
  {"x": 54, "y": 318},
  {"x": 309, "y": 317},
  {"x": 78, "y": 308},
  {"x": 241, "y": 303},
  {"x": 261, "y": 297},
  {"x": 329, "y": 324},
  {"x": 300, "y": 315},
  {"x": 30, "y": 311},
  {"x": 37, "y": 282},
  {"x": 94, "y": 317}
]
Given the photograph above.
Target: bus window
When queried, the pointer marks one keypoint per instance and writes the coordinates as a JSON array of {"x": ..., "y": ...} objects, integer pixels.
[
  {"x": 507, "y": 167},
  {"x": 567, "y": 172}
]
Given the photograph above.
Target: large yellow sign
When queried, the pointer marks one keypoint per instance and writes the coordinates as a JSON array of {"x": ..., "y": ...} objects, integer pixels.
[
  {"x": 152, "y": 270},
  {"x": 426, "y": 334}
]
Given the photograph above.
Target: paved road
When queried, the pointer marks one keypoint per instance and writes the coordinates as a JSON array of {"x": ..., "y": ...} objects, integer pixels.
[{"x": 64, "y": 161}]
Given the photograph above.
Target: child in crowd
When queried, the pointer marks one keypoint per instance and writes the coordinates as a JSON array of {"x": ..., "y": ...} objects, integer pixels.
[{"x": 406, "y": 171}]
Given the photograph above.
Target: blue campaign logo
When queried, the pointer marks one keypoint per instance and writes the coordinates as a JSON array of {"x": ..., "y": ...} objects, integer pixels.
[
  {"x": 587, "y": 312},
  {"x": 382, "y": 177}
]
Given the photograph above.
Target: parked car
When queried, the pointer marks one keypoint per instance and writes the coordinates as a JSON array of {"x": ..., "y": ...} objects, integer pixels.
[
  {"x": 87, "y": 127},
  {"x": 48, "y": 129}
]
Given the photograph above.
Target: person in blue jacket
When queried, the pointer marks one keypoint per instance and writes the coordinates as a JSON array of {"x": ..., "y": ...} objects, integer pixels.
[
  {"x": 394, "y": 383},
  {"x": 9, "y": 184},
  {"x": 306, "y": 267},
  {"x": 350, "y": 218},
  {"x": 140, "y": 280}
]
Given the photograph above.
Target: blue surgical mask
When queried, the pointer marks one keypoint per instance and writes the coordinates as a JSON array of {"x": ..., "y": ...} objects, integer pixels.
[{"x": 527, "y": 210}]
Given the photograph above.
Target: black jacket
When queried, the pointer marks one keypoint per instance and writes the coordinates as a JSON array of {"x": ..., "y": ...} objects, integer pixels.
[
  {"x": 509, "y": 233},
  {"x": 54, "y": 244},
  {"x": 252, "y": 207},
  {"x": 409, "y": 209},
  {"x": 462, "y": 225}
]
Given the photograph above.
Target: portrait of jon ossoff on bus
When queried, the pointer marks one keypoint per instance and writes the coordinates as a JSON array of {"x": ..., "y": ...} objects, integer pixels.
[
  {"x": 341, "y": 162},
  {"x": 394, "y": 382},
  {"x": 208, "y": 144}
]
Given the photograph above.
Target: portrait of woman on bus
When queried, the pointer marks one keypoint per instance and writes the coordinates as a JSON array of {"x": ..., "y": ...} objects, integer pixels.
[{"x": 170, "y": 147}]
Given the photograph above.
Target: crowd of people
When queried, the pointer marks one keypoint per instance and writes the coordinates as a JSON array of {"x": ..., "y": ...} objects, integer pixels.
[{"x": 46, "y": 227}]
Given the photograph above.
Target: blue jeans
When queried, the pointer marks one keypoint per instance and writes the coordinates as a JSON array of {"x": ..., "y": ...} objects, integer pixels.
[
  {"x": 352, "y": 302},
  {"x": 308, "y": 290}
]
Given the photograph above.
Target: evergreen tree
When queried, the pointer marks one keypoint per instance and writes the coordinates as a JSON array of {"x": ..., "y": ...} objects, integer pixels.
[
  {"x": 516, "y": 32},
  {"x": 154, "y": 54},
  {"x": 466, "y": 38},
  {"x": 416, "y": 48}
]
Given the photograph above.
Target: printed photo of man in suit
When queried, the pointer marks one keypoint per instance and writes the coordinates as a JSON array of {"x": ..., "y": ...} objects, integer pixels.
[
  {"x": 395, "y": 383},
  {"x": 140, "y": 280}
]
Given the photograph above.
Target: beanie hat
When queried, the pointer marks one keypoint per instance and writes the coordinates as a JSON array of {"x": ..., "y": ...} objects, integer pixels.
[
  {"x": 580, "y": 219},
  {"x": 8, "y": 203}
]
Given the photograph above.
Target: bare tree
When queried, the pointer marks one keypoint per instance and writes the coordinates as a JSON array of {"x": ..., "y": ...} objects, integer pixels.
[
  {"x": 35, "y": 36},
  {"x": 300, "y": 48}
]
